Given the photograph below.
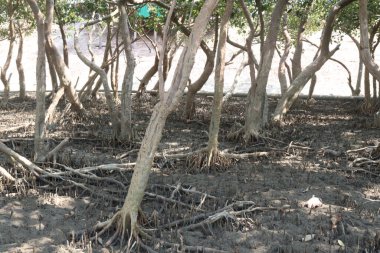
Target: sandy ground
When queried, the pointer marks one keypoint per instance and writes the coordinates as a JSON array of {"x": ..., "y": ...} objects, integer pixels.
[{"x": 332, "y": 78}]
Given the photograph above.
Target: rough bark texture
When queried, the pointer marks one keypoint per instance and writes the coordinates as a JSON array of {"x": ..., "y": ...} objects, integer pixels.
[
  {"x": 20, "y": 66},
  {"x": 255, "y": 116},
  {"x": 300, "y": 81},
  {"x": 282, "y": 65},
  {"x": 126, "y": 89},
  {"x": 219, "y": 83},
  {"x": 59, "y": 64},
  {"x": 39, "y": 134},
  {"x": 161, "y": 111}
]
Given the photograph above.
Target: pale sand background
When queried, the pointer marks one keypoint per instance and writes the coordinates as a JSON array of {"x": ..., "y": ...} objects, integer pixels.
[{"x": 332, "y": 78}]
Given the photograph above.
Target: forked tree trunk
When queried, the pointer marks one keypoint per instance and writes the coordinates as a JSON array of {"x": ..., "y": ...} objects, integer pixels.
[
  {"x": 219, "y": 83},
  {"x": 300, "y": 81},
  {"x": 3, "y": 70},
  {"x": 256, "y": 117},
  {"x": 59, "y": 64},
  {"x": 126, "y": 89},
  {"x": 160, "y": 113},
  {"x": 39, "y": 134},
  {"x": 282, "y": 65},
  {"x": 107, "y": 91},
  {"x": 20, "y": 66}
]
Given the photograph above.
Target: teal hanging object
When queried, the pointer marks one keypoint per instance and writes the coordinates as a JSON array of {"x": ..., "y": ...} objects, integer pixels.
[{"x": 144, "y": 11}]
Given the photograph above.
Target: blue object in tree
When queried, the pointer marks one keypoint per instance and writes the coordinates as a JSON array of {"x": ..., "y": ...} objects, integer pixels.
[{"x": 144, "y": 11}]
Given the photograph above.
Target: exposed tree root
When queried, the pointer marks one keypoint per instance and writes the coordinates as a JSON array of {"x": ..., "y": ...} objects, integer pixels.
[
  {"x": 206, "y": 160},
  {"x": 123, "y": 222}
]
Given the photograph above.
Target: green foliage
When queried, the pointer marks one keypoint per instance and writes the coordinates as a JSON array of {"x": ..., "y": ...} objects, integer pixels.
[{"x": 348, "y": 20}]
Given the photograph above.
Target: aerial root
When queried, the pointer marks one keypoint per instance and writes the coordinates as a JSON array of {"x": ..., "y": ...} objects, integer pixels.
[
  {"x": 124, "y": 221},
  {"x": 206, "y": 160}
]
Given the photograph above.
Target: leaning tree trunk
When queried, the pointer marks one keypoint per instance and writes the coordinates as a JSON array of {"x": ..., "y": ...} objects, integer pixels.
[
  {"x": 212, "y": 147},
  {"x": 284, "y": 57},
  {"x": 59, "y": 64},
  {"x": 20, "y": 66},
  {"x": 39, "y": 134},
  {"x": 147, "y": 77},
  {"x": 300, "y": 81},
  {"x": 3, "y": 70},
  {"x": 156, "y": 124},
  {"x": 107, "y": 91},
  {"x": 126, "y": 89},
  {"x": 256, "y": 116},
  {"x": 193, "y": 88}
]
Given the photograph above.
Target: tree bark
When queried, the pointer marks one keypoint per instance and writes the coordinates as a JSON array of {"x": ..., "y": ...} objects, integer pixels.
[
  {"x": 282, "y": 65},
  {"x": 107, "y": 91},
  {"x": 300, "y": 81},
  {"x": 255, "y": 117},
  {"x": 364, "y": 48},
  {"x": 198, "y": 84},
  {"x": 39, "y": 134},
  {"x": 219, "y": 83},
  {"x": 160, "y": 113},
  {"x": 359, "y": 78},
  {"x": 20, "y": 66},
  {"x": 3, "y": 70},
  {"x": 59, "y": 64},
  {"x": 126, "y": 94},
  {"x": 297, "y": 57}
]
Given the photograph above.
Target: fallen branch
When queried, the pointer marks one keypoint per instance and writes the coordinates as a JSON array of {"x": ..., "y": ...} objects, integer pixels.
[
  {"x": 53, "y": 153},
  {"x": 24, "y": 161},
  {"x": 6, "y": 174}
]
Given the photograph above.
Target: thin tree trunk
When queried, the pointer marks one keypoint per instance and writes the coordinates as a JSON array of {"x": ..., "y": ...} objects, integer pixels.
[
  {"x": 3, "y": 70},
  {"x": 198, "y": 84},
  {"x": 161, "y": 111},
  {"x": 65, "y": 47},
  {"x": 359, "y": 78},
  {"x": 219, "y": 83},
  {"x": 367, "y": 87},
  {"x": 126, "y": 95},
  {"x": 300, "y": 81},
  {"x": 147, "y": 77},
  {"x": 60, "y": 66},
  {"x": 255, "y": 117},
  {"x": 284, "y": 57},
  {"x": 39, "y": 134},
  {"x": 104, "y": 79},
  {"x": 313, "y": 82},
  {"x": 20, "y": 66}
]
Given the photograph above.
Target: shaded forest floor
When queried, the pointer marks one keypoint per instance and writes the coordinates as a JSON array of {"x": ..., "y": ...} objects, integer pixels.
[{"x": 328, "y": 149}]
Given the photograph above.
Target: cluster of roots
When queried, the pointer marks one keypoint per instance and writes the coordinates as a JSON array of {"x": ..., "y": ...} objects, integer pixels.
[{"x": 206, "y": 161}]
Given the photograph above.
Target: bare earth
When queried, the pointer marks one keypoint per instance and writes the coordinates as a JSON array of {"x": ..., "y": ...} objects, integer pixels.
[{"x": 268, "y": 195}]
